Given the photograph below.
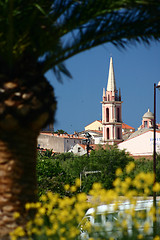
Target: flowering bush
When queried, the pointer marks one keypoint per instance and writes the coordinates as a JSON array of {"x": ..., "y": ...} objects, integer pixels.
[{"x": 61, "y": 218}]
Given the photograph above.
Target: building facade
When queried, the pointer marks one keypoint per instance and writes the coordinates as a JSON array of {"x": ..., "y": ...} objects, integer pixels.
[
  {"x": 111, "y": 110},
  {"x": 58, "y": 142},
  {"x": 140, "y": 143},
  {"x": 96, "y": 125}
]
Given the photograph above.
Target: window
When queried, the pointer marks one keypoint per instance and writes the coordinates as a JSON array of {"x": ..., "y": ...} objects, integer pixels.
[
  {"x": 79, "y": 149},
  {"x": 145, "y": 124},
  {"x": 107, "y": 114},
  {"x": 111, "y": 217},
  {"x": 107, "y": 133},
  {"x": 118, "y": 115},
  {"x": 118, "y": 133},
  {"x": 98, "y": 218}
]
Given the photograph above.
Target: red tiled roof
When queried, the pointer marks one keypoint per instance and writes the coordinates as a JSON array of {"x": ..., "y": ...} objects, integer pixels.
[
  {"x": 82, "y": 145},
  {"x": 45, "y": 133},
  {"x": 97, "y": 131},
  {"x": 125, "y": 126},
  {"x": 62, "y": 135}
]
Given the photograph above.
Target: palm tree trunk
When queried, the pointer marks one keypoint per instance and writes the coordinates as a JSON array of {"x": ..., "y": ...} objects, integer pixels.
[
  {"x": 17, "y": 175},
  {"x": 27, "y": 104}
]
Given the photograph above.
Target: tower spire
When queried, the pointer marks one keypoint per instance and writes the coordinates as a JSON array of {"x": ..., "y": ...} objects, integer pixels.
[{"x": 111, "y": 86}]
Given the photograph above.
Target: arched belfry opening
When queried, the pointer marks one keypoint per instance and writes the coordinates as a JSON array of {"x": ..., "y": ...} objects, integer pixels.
[
  {"x": 107, "y": 133},
  {"x": 107, "y": 114}
]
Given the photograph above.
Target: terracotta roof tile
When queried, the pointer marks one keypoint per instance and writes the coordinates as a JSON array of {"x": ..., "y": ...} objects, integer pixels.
[
  {"x": 96, "y": 131},
  {"x": 62, "y": 135},
  {"x": 82, "y": 145},
  {"x": 125, "y": 126}
]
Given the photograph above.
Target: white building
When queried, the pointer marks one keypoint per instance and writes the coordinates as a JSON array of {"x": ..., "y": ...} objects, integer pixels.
[
  {"x": 79, "y": 149},
  {"x": 140, "y": 143},
  {"x": 58, "y": 142},
  {"x": 96, "y": 135}
]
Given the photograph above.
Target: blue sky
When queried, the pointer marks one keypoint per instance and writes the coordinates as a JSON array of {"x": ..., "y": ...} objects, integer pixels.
[{"x": 136, "y": 69}]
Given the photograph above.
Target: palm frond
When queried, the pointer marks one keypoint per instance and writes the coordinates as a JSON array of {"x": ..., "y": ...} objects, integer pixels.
[
  {"x": 53, "y": 31},
  {"x": 120, "y": 27}
]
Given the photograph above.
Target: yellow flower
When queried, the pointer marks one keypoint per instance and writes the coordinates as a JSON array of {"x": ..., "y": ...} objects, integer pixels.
[
  {"x": 62, "y": 238},
  {"x": 119, "y": 172},
  {"x": 157, "y": 238},
  {"x": 81, "y": 197},
  {"x": 96, "y": 186},
  {"x": 73, "y": 189},
  {"x": 63, "y": 216},
  {"x": 55, "y": 226},
  {"x": 62, "y": 230},
  {"x": 52, "y": 218},
  {"x": 124, "y": 187},
  {"x": 149, "y": 178},
  {"x": 43, "y": 198},
  {"x": 42, "y": 210},
  {"x": 140, "y": 236},
  {"x": 146, "y": 227},
  {"x": 128, "y": 180},
  {"x": 78, "y": 182},
  {"x": 28, "y": 206},
  {"x": 39, "y": 221},
  {"x": 130, "y": 167},
  {"x": 117, "y": 182},
  {"x": 156, "y": 187},
  {"x": 16, "y": 215},
  {"x": 67, "y": 187},
  {"x": 73, "y": 232},
  {"x": 37, "y": 205},
  {"x": 49, "y": 232},
  {"x": 146, "y": 191},
  {"x": 13, "y": 237},
  {"x": 19, "y": 231}
]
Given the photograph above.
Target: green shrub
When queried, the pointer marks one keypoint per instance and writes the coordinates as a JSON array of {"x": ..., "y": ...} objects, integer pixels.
[{"x": 51, "y": 176}]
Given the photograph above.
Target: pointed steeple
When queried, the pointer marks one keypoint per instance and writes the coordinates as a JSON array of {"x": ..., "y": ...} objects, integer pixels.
[{"x": 111, "y": 86}]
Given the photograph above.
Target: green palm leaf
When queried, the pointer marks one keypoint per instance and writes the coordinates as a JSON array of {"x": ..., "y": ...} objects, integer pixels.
[{"x": 55, "y": 30}]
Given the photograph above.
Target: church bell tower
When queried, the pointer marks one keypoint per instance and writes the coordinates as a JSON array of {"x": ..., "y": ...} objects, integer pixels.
[{"x": 111, "y": 110}]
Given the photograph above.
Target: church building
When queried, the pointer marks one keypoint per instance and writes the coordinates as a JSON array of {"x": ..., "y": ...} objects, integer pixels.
[{"x": 111, "y": 110}]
